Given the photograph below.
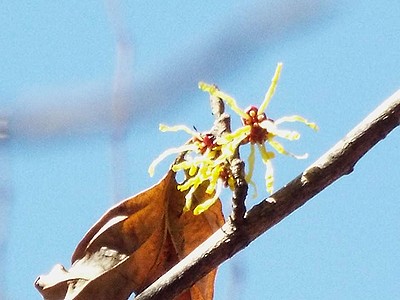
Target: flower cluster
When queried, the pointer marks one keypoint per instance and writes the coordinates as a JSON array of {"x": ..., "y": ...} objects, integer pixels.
[
  {"x": 205, "y": 161},
  {"x": 210, "y": 163},
  {"x": 258, "y": 129}
]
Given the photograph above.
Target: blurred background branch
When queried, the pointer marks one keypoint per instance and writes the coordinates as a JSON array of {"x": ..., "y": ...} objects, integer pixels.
[{"x": 88, "y": 110}]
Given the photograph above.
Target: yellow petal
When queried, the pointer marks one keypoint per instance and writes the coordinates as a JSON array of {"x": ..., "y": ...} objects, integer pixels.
[
  {"x": 214, "y": 177},
  {"x": 190, "y": 162},
  {"x": 265, "y": 155},
  {"x": 254, "y": 186},
  {"x": 192, "y": 170},
  {"x": 287, "y": 134},
  {"x": 183, "y": 166},
  {"x": 210, "y": 88},
  {"x": 231, "y": 141},
  {"x": 271, "y": 89},
  {"x": 280, "y": 149},
  {"x": 269, "y": 173},
  {"x": 271, "y": 127},
  {"x": 206, "y": 204},
  {"x": 251, "y": 159},
  {"x": 214, "y": 91},
  {"x": 269, "y": 177},
  {"x": 188, "y": 198},
  {"x": 165, "y": 128},
  {"x": 192, "y": 181},
  {"x": 162, "y": 156},
  {"x": 297, "y": 118}
]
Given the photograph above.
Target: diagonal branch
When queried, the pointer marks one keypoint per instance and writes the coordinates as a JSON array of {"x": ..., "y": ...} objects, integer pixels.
[{"x": 223, "y": 244}]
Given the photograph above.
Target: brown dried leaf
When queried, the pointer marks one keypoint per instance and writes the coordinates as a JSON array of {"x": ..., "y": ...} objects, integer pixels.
[{"x": 133, "y": 244}]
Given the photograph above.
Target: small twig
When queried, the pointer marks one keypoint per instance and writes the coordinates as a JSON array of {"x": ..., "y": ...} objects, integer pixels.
[
  {"x": 217, "y": 106},
  {"x": 227, "y": 241},
  {"x": 222, "y": 125}
]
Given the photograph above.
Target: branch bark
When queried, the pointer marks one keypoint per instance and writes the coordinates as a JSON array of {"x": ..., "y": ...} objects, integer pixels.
[
  {"x": 222, "y": 125},
  {"x": 223, "y": 244}
]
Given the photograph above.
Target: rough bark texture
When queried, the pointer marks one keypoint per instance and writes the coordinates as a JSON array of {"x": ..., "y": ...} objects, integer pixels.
[{"x": 232, "y": 237}]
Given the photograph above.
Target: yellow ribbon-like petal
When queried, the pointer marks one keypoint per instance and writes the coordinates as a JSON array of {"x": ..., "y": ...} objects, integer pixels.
[
  {"x": 206, "y": 204},
  {"x": 165, "y": 128},
  {"x": 296, "y": 118},
  {"x": 251, "y": 160},
  {"x": 214, "y": 91},
  {"x": 271, "y": 127},
  {"x": 249, "y": 176},
  {"x": 269, "y": 177},
  {"x": 280, "y": 149},
  {"x": 162, "y": 156},
  {"x": 271, "y": 89},
  {"x": 269, "y": 173}
]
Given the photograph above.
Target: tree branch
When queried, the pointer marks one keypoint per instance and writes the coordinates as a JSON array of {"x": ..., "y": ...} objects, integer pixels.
[{"x": 223, "y": 244}]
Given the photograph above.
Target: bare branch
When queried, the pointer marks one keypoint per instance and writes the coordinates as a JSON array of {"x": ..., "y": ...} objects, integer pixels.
[{"x": 338, "y": 161}]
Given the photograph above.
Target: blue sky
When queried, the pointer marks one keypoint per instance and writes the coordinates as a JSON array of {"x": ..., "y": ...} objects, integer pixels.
[{"x": 62, "y": 169}]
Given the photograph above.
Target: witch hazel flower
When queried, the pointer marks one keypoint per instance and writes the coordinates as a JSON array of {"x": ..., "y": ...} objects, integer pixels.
[
  {"x": 203, "y": 163},
  {"x": 258, "y": 130}
]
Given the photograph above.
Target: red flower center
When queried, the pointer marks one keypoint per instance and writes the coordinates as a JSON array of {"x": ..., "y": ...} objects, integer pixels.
[
  {"x": 207, "y": 141},
  {"x": 258, "y": 135}
]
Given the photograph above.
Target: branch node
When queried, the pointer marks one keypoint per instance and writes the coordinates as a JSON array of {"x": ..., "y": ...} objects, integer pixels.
[{"x": 217, "y": 106}]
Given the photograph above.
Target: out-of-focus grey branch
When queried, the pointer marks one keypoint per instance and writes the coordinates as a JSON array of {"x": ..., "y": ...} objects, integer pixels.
[
  {"x": 122, "y": 91},
  {"x": 3, "y": 128},
  {"x": 121, "y": 99},
  {"x": 5, "y": 197},
  {"x": 208, "y": 56}
]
